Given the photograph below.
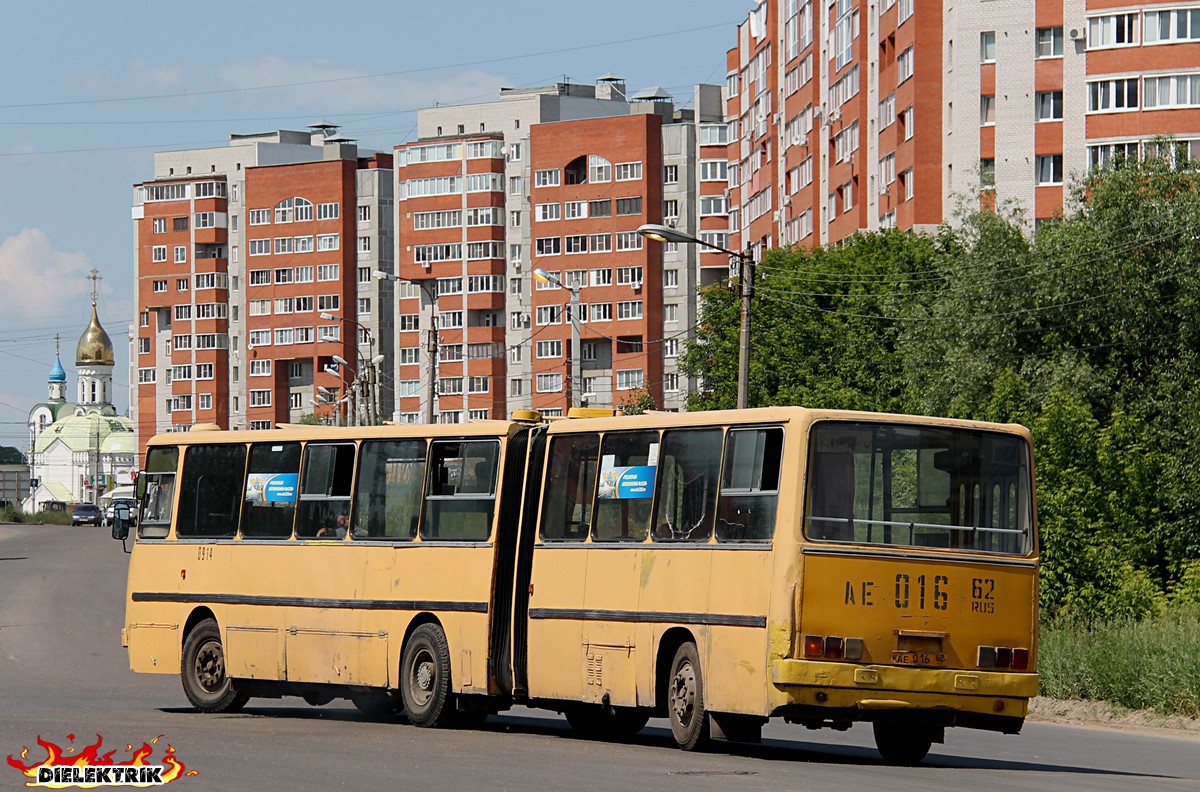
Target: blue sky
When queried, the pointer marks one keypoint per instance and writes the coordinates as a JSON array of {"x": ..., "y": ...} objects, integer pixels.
[{"x": 92, "y": 90}]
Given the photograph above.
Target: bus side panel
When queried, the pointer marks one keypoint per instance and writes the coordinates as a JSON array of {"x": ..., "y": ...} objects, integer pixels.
[
  {"x": 154, "y": 630},
  {"x": 675, "y": 589},
  {"x": 555, "y": 604},
  {"x": 610, "y": 602},
  {"x": 254, "y": 638},
  {"x": 735, "y": 661}
]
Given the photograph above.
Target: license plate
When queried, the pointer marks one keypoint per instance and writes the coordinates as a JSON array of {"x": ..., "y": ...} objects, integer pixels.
[{"x": 919, "y": 658}]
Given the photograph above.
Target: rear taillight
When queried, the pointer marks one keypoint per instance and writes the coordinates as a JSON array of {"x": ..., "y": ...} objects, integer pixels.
[
  {"x": 1016, "y": 658},
  {"x": 833, "y": 647}
]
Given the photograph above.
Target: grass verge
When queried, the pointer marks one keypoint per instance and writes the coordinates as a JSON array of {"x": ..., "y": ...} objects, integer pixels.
[
  {"x": 11, "y": 515},
  {"x": 1152, "y": 664}
]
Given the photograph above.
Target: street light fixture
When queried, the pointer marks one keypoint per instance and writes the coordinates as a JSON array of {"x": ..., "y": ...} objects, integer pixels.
[
  {"x": 431, "y": 347},
  {"x": 663, "y": 233},
  {"x": 368, "y": 369},
  {"x": 576, "y": 373}
]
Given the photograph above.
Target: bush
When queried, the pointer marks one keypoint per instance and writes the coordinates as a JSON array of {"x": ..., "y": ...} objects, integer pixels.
[
  {"x": 10, "y": 514},
  {"x": 1148, "y": 664}
]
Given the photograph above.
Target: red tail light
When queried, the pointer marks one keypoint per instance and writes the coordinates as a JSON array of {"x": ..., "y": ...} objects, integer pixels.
[
  {"x": 1003, "y": 657},
  {"x": 833, "y": 647},
  {"x": 814, "y": 645},
  {"x": 1020, "y": 659}
]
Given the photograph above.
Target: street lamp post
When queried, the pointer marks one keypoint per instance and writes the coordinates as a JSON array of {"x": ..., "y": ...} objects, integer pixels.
[
  {"x": 431, "y": 347},
  {"x": 368, "y": 370},
  {"x": 662, "y": 233},
  {"x": 576, "y": 373},
  {"x": 349, "y": 387}
]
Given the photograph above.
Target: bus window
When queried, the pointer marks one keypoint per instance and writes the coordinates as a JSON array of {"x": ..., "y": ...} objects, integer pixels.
[
  {"x": 155, "y": 520},
  {"x": 391, "y": 478},
  {"x": 628, "y": 461},
  {"x": 211, "y": 491},
  {"x": 461, "y": 492},
  {"x": 570, "y": 487},
  {"x": 750, "y": 485},
  {"x": 687, "y": 485},
  {"x": 921, "y": 486},
  {"x": 271, "y": 483},
  {"x": 324, "y": 508}
]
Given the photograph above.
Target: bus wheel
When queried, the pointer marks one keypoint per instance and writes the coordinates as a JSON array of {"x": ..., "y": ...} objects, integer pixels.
[
  {"x": 203, "y": 671},
  {"x": 685, "y": 699},
  {"x": 606, "y": 723},
  {"x": 902, "y": 743},
  {"x": 425, "y": 677}
]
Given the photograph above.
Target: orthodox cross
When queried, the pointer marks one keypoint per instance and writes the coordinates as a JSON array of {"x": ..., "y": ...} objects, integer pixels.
[{"x": 95, "y": 278}]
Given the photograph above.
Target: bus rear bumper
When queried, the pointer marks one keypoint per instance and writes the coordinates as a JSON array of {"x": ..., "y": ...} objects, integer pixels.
[{"x": 846, "y": 691}]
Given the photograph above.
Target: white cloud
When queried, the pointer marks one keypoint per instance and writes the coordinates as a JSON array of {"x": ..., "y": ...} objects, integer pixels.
[
  {"x": 351, "y": 91},
  {"x": 156, "y": 78},
  {"x": 35, "y": 277}
]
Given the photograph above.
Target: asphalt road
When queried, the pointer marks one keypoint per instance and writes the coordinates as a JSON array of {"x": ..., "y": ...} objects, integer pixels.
[{"x": 63, "y": 672}]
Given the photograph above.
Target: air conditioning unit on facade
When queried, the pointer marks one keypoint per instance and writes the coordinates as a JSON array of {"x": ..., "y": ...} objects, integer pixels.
[{"x": 1076, "y": 34}]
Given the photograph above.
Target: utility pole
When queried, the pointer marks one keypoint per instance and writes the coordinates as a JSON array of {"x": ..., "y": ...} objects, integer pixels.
[{"x": 746, "y": 285}]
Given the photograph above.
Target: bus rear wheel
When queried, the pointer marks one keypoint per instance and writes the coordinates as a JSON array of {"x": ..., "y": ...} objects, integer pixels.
[
  {"x": 902, "y": 743},
  {"x": 425, "y": 677},
  {"x": 205, "y": 682},
  {"x": 606, "y": 723},
  {"x": 685, "y": 700}
]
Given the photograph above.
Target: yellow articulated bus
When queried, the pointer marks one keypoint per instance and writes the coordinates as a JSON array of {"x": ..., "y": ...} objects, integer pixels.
[{"x": 718, "y": 569}]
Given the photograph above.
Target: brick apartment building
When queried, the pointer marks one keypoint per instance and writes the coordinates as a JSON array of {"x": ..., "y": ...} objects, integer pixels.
[{"x": 849, "y": 115}]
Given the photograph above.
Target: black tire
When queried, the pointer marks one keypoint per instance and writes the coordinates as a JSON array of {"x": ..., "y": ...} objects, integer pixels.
[
  {"x": 317, "y": 699},
  {"x": 606, "y": 723},
  {"x": 425, "y": 678},
  {"x": 685, "y": 700},
  {"x": 902, "y": 743},
  {"x": 202, "y": 670}
]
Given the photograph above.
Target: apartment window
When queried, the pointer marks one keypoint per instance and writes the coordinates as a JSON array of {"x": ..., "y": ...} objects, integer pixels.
[
  {"x": 143, "y": 346},
  {"x": 160, "y": 286},
  {"x": 600, "y": 312},
  {"x": 329, "y": 302},
  {"x": 712, "y": 205},
  {"x": 283, "y": 245},
  {"x": 601, "y": 277},
  {"x": 987, "y": 109},
  {"x": 1050, "y": 105},
  {"x": 670, "y": 174},
  {"x": 303, "y": 244},
  {"x": 671, "y": 382},
  {"x": 1050, "y": 169},
  {"x": 1111, "y": 95},
  {"x": 408, "y": 322},
  {"x": 364, "y": 214},
  {"x": 987, "y": 46},
  {"x": 549, "y": 383},
  {"x": 670, "y": 278},
  {"x": 887, "y": 111},
  {"x": 714, "y": 170},
  {"x": 181, "y": 284},
  {"x": 364, "y": 244},
  {"x": 1181, "y": 90},
  {"x": 908, "y": 123},
  {"x": 1116, "y": 30},
  {"x": 575, "y": 210},
  {"x": 577, "y": 244},
  {"x": 549, "y": 349},
  {"x": 629, "y": 309},
  {"x": 629, "y": 276},
  {"x": 146, "y": 375},
  {"x": 671, "y": 210},
  {"x": 630, "y": 379},
  {"x": 179, "y": 224},
  {"x": 549, "y": 314},
  {"x": 904, "y": 65},
  {"x": 548, "y": 246},
  {"x": 547, "y": 178},
  {"x": 1175, "y": 25},
  {"x": 629, "y": 240},
  {"x": 904, "y": 11},
  {"x": 260, "y": 217},
  {"x": 260, "y": 398},
  {"x": 629, "y": 171},
  {"x": 987, "y": 172},
  {"x": 549, "y": 211},
  {"x": 599, "y": 169},
  {"x": 600, "y": 208},
  {"x": 260, "y": 247},
  {"x": 450, "y": 319},
  {"x": 600, "y": 243},
  {"x": 1050, "y": 42},
  {"x": 158, "y": 253},
  {"x": 206, "y": 219},
  {"x": 478, "y": 385},
  {"x": 670, "y": 348},
  {"x": 629, "y": 206},
  {"x": 328, "y": 241},
  {"x": 328, "y": 272}
]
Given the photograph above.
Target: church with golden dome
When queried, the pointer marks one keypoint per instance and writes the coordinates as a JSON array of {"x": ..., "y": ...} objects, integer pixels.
[{"x": 80, "y": 450}]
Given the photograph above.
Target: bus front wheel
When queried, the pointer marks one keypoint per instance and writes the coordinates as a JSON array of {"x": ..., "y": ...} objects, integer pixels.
[
  {"x": 902, "y": 743},
  {"x": 205, "y": 682},
  {"x": 685, "y": 700},
  {"x": 425, "y": 677}
]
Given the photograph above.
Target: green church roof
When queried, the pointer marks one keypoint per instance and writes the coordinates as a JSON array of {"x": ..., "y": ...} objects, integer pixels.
[{"x": 83, "y": 432}]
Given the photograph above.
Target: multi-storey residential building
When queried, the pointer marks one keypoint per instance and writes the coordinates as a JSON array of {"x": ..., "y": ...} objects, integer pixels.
[
  {"x": 238, "y": 251},
  {"x": 848, "y": 115}
]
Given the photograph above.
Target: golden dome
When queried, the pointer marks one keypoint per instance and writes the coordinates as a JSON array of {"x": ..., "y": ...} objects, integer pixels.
[{"x": 95, "y": 347}]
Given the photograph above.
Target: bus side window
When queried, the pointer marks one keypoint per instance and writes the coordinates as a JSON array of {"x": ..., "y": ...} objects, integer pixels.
[
  {"x": 687, "y": 488},
  {"x": 324, "y": 507},
  {"x": 270, "y": 495},
  {"x": 211, "y": 490},
  {"x": 391, "y": 479},
  {"x": 628, "y": 466},
  {"x": 750, "y": 485},
  {"x": 461, "y": 493},
  {"x": 570, "y": 487},
  {"x": 154, "y": 521}
]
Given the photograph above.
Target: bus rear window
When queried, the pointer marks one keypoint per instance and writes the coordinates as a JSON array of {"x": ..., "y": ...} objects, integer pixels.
[{"x": 920, "y": 486}]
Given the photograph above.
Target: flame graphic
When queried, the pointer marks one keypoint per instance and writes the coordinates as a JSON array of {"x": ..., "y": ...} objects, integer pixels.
[{"x": 90, "y": 756}]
